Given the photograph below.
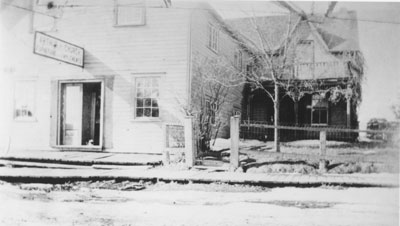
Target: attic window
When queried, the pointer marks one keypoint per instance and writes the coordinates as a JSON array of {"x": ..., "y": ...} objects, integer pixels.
[
  {"x": 130, "y": 13},
  {"x": 305, "y": 42}
]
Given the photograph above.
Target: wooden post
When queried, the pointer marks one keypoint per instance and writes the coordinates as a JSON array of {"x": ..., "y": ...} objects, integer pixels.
[
  {"x": 166, "y": 156},
  {"x": 322, "y": 147},
  {"x": 276, "y": 118},
  {"x": 348, "y": 107},
  {"x": 189, "y": 144},
  {"x": 234, "y": 157}
]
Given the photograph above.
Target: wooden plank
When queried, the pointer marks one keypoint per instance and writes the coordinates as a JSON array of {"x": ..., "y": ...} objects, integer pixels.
[
  {"x": 189, "y": 144},
  {"x": 234, "y": 157}
]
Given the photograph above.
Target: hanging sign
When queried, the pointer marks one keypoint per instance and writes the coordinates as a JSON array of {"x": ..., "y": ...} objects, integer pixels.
[{"x": 57, "y": 49}]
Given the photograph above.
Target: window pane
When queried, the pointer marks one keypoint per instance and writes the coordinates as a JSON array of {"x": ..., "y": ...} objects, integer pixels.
[
  {"x": 315, "y": 116},
  {"x": 147, "y": 102},
  {"x": 139, "y": 92},
  {"x": 155, "y": 82},
  {"x": 139, "y": 112},
  {"x": 323, "y": 116},
  {"x": 154, "y": 93},
  {"x": 154, "y": 112},
  {"x": 147, "y": 112},
  {"x": 139, "y": 82},
  {"x": 147, "y": 92},
  {"x": 147, "y": 82},
  {"x": 139, "y": 102},
  {"x": 154, "y": 103}
]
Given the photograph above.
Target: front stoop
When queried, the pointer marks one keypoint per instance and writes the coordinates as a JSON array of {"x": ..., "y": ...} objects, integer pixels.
[{"x": 82, "y": 158}]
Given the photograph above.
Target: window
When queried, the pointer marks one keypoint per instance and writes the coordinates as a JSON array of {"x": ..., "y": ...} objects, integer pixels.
[
  {"x": 213, "y": 34},
  {"x": 146, "y": 97},
  {"x": 238, "y": 60},
  {"x": 319, "y": 110},
  {"x": 305, "y": 42},
  {"x": 24, "y": 101},
  {"x": 130, "y": 13}
]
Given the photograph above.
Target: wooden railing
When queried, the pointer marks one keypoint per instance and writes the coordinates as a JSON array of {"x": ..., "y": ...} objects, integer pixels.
[{"x": 321, "y": 70}]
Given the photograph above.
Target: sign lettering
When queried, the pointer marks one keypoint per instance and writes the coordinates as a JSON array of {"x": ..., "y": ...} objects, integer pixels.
[{"x": 57, "y": 49}]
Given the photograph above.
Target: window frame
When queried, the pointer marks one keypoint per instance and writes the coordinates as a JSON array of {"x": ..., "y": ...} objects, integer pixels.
[
  {"x": 32, "y": 118},
  {"x": 238, "y": 60},
  {"x": 134, "y": 98},
  {"x": 140, "y": 4},
  {"x": 213, "y": 38},
  {"x": 319, "y": 109}
]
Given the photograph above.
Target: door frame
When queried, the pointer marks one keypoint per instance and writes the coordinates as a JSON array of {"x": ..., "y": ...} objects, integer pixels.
[{"x": 102, "y": 111}]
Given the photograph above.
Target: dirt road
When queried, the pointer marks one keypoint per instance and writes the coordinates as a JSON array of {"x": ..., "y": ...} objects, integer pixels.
[{"x": 180, "y": 205}]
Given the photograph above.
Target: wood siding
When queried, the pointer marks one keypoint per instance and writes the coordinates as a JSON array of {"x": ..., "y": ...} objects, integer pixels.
[
  {"x": 115, "y": 54},
  {"x": 201, "y": 19}
]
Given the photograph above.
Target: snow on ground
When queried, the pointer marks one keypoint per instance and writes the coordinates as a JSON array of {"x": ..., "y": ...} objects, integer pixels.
[{"x": 278, "y": 206}]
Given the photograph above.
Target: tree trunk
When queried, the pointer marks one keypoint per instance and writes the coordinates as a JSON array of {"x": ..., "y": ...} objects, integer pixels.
[{"x": 276, "y": 118}]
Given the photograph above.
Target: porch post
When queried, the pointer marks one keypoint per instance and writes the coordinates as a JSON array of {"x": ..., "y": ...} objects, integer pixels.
[
  {"x": 348, "y": 108},
  {"x": 276, "y": 118}
]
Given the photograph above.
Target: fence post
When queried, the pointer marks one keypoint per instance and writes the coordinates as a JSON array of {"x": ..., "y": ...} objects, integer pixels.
[
  {"x": 189, "y": 144},
  {"x": 234, "y": 157},
  {"x": 322, "y": 148}
]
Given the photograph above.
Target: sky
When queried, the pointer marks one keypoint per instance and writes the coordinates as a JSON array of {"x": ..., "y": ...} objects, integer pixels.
[{"x": 379, "y": 38}]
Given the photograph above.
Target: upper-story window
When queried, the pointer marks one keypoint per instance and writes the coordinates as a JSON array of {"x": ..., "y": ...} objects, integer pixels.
[
  {"x": 24, "y": 100},
  {"x": 213, "y": 37},
  {"x": 319, "y": 110},
  {"x": 130, "y": 13},
  {"x": 238, "y": 60},
  {"x": 305, "y": 42},
  {"x": 147, "y": 97}
]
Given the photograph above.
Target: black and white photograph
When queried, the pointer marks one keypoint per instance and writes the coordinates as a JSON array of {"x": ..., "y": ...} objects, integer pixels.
[{"x": 199, "y": 113}]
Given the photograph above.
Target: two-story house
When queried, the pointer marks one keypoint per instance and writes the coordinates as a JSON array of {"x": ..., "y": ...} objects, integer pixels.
[
  {"x": 323, "y": 60},
  {"x": 105, "y": 74}
]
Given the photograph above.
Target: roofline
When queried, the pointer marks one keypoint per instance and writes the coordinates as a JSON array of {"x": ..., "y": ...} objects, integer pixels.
[{"x": 233, "y": 33}]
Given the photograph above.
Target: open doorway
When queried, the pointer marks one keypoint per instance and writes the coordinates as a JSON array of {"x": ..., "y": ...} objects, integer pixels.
[{"x": 80, "y": 114}]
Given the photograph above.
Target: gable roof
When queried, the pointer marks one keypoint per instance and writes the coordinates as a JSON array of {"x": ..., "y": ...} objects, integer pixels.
[
  {"x": 339, "y": 32},
  {"x": 272, "y": 28}
]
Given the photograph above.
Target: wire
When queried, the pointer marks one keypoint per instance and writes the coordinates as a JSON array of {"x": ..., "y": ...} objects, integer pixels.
[
  {"x": 27, "y": 9},
  {"x": 196, "y": 8}
]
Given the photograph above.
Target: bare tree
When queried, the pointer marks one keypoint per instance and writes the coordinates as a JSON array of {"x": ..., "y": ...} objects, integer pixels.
[
  {"x": 215, "y": 78},
  {"x": 272, "y": 63}
]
